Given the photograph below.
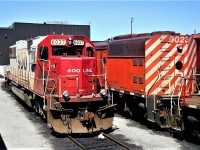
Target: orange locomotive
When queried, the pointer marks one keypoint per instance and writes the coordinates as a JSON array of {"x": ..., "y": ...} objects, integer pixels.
[
  {"x": 57, "y": 76},
  {"x": 146, "y": 74}
]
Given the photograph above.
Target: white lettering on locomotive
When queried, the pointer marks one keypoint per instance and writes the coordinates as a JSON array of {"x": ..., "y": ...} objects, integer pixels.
[
  {"x": 87, "y": 70},
  {"x": 73, "y": 70},
  {"x": 178, "y": 39},
  {"x": 58, "y": 42},
  {"x": 78, "y": 70},
  {"x": 78, "y": 42}
]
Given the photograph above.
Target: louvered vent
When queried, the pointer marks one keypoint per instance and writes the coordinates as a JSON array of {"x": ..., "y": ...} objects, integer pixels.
[{"x": 127, "y": 47}]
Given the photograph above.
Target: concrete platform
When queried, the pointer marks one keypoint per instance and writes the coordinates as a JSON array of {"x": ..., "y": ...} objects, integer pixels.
[
  {"x": 1, "y": 72},
  {"x": 16, "y": 130},
  {"x": 2, "y": 144}
]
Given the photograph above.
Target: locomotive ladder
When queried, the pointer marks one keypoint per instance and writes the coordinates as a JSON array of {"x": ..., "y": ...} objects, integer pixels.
[
  {"x": 166, "y": 81},
  {"x": 45, "y": 79},
  {"x": 165, "y": 57}
]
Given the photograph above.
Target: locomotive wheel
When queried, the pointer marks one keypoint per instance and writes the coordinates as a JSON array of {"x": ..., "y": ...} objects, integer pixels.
[
  {"x": 192, "y": 128},
  {"x": 39, "y": 109},
  {"x": 192, "y": 124}
]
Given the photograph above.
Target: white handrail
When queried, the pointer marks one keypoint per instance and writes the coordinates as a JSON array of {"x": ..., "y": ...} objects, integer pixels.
[{"x": 58, "y": 79}]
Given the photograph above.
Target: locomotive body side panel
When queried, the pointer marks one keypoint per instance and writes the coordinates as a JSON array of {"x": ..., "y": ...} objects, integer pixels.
[
  {"x": 126, "y": 65},
  {"x": 19, "y": 60},
  {"x": 127, "y": 74}
]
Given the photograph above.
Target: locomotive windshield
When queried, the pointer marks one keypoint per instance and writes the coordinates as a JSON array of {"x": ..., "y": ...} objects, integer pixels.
[{"x": 66, "y": 51}]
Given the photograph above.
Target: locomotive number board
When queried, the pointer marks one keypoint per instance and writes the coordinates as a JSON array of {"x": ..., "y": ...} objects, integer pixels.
[
  {"x": 58, "y": 42},
  {"x": 78, "y": 42}
]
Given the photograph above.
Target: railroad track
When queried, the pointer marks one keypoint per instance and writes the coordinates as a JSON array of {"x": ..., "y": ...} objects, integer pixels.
[{"x": 95, "y": 143}]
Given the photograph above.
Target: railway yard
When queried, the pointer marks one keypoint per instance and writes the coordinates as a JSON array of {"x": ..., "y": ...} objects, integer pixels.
[
  {"x": 102, "y": 76},
  {"x": 21, "y": 128}
]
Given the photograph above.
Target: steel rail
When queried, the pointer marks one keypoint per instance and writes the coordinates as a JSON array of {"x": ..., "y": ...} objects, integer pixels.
[
  {"x": 117, "y": 142},
  {"x": 79, "y": 144}
]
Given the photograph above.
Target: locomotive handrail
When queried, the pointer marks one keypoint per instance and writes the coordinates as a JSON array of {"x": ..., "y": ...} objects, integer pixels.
[
  {"x": 150, "y": 89},
  {"x": 190, "y": 78},
  {"x": 18, "y": 76},
  {"x": 98, "y": 75},
  {"x": 60, "y": 76},
  {"x": 58, "y": 79},
  {"x": 101, "y": 62},
  {"x": 43, "y": 80},
  {"x": 172, "y": 92},
  {"x": 105, "y": 70},
  {"x": 166, "y": 76},
  {"x": 183, "y": 90},
  {"x": 179, "y": 95},
  {"x": 196, "y": 80}
]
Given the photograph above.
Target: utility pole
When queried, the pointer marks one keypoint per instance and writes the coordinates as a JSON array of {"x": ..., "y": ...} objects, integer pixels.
[
  {"x": 131, "y": 24},
  {"x": 195, "y": 31}
]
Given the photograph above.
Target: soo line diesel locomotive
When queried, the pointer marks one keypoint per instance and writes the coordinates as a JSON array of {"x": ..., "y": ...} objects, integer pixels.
[
  {"x": 156, "y": 76},
  {"x": 57, "y": 76}
]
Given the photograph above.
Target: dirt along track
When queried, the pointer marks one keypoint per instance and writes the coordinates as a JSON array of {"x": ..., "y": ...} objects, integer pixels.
[{"x": 24, "y": 129}]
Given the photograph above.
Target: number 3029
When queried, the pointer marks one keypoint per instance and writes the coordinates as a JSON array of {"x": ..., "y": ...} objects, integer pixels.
[{"x": 178, "y": 39}]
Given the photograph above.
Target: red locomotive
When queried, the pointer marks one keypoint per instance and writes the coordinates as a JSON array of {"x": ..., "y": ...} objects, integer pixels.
[
  {"x": 146, "y": 74},
  {"x": 57, "y": 76}
]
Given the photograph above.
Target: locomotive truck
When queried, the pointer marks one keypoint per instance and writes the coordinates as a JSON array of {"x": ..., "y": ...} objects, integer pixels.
[{"x": 57, "y": 76}]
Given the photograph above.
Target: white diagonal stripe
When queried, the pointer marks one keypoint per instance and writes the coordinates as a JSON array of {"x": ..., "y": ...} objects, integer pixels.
[
  {"x": 171, "y": 64},
  {"x": 153, "y": 45}
]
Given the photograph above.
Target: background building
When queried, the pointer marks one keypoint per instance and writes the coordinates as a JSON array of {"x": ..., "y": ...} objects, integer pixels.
[{"x": 22, "y": 31}]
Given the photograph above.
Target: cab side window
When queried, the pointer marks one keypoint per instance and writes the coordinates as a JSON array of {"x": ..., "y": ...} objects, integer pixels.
[
  {"x": 44, "y": 52},
  {"x": 90, "y": 51}
]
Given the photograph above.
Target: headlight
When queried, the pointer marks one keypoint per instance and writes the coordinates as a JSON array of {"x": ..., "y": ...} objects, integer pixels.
[
  {"x": 70, "y": 40},
  {"x": 180, "y": 49},
  {"x": 66, "y": 95},
  {"x": 103, "y": 92}
]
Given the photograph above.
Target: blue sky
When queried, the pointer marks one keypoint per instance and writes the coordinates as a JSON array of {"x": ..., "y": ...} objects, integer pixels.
[{"x": 108, "y": 18}]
